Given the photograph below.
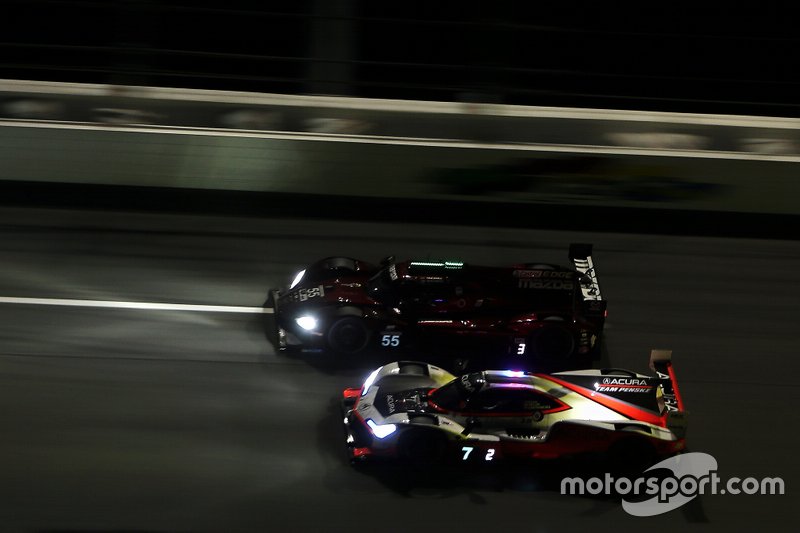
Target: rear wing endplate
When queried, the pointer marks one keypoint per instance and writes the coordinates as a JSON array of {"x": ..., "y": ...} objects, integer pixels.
[
  {"x": 661, "y": 363},
  {"x": 594, "y": 305}
]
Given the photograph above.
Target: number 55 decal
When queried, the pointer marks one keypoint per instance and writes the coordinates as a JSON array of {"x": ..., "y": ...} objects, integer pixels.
[{"x": 390, "y": 340}]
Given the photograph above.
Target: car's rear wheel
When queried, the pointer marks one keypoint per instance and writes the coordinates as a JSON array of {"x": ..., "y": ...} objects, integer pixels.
[
  {"x": 348, "y": 335},
  {"x": 422, "y": 446},
  {"x": 553, "y": 341}
]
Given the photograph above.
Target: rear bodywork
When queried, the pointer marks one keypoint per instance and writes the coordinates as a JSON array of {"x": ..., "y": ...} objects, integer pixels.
[
  {"x": 494, "y": 415},
  {"x": 527, "y": 310}
]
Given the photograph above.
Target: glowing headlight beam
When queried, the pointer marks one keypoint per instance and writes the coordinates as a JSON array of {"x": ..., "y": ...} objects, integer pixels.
[
  {"x": 512, "y": 373},
  {"x": 381, "y": 430},
  {"x": 370, "y": 380},
  {"x": 297, "y": 278},
  {"x": 306, "y": 322}
]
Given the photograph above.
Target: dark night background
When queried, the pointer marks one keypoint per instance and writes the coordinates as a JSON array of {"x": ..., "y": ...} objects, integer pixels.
[{"x": 670, "y": 57}]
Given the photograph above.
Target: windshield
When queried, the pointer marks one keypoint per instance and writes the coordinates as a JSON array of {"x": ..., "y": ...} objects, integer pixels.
[{"x": 454, "y": 395}]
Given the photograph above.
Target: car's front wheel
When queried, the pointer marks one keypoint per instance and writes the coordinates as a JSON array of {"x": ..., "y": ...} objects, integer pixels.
[
  {"x": 422, "y": 446},
  {"x": 348, "y": 335}
]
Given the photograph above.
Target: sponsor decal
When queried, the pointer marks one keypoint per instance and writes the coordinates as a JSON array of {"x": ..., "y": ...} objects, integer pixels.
[
  {"x": 669, "y": 397},
  {"x": 603, "y": 388},
  {"x": 623, "y": 385},
  {"x": 624, "y": 381},
  {"x": 552, "y": 274},
  {"x": 545, "y": 284},
  {"x": 390, "y": 403}
]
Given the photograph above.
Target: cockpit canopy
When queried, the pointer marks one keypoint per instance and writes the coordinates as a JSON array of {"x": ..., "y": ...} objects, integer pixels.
[{"x": 488, "y": 394}]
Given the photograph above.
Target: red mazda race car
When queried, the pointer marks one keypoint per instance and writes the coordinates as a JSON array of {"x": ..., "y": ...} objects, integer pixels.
[
  {"x": 420, "y": 413},
  {"x": 529, "y": 311}
]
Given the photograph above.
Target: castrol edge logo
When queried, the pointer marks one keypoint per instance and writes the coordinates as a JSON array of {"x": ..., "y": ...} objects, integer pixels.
[{"x": 544, "y": 279}]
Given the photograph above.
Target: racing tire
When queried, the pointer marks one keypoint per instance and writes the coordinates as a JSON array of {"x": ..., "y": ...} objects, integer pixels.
[
  {"x": 348, "y": 335},
  {"x": 553, "y": 342},
  {"x": 420, "y": 446}
]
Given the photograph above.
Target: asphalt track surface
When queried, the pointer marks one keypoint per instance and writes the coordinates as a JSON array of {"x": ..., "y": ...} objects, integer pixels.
[{"x": 181, "y": 420}]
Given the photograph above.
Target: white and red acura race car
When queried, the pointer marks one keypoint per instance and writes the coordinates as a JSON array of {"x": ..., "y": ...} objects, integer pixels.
[{"x": 419, "y": 412}]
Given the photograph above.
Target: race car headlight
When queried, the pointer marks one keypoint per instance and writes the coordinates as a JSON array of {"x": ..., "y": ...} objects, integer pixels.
[
  {"x": 369, "y": 381},
  {"x": 512, "y": 373},
  {"x": 306, "y": 322},
  {"x": 297, "y": 278},
  {"x": 381, "y": 430}
]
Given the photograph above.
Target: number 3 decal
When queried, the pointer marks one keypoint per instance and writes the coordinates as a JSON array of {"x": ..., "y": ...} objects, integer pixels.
[{"x": 390, "y": 340}]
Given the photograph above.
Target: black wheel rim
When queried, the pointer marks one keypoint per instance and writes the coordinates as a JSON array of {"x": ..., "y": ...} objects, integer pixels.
[
  {"x": 554, "y": 342},
  {"x": 348, "y": 335}
]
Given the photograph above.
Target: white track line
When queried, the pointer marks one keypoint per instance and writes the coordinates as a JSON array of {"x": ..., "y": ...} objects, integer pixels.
[{"x": 158, "y": 306}]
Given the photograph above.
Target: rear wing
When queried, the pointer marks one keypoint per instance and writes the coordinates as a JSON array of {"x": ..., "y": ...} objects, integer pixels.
[
  {"x": 593, "y": 303},
  {"x": 661, "y": 363}
]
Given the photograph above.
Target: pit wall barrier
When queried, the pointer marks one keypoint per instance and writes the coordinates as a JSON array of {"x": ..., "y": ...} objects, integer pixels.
[{"x": 143, "y": 136}]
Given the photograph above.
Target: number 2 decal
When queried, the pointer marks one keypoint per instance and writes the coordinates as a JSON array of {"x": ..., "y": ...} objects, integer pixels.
[
  {"x": 390, "y": 340},
  {"x": 468, "y": 450}
]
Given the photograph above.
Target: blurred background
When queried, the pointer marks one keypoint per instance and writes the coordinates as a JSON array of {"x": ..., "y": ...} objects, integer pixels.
[
  {"x": 667, "y": 58},
  {"x": 501, "y": 102}
]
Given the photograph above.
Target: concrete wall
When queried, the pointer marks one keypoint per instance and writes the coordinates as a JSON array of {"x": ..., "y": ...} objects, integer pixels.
[{"x": 344, "y": 146}]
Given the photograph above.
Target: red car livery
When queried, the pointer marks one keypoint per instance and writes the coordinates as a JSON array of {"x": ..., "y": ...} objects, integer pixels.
[{"x": 527, "y": 311}]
